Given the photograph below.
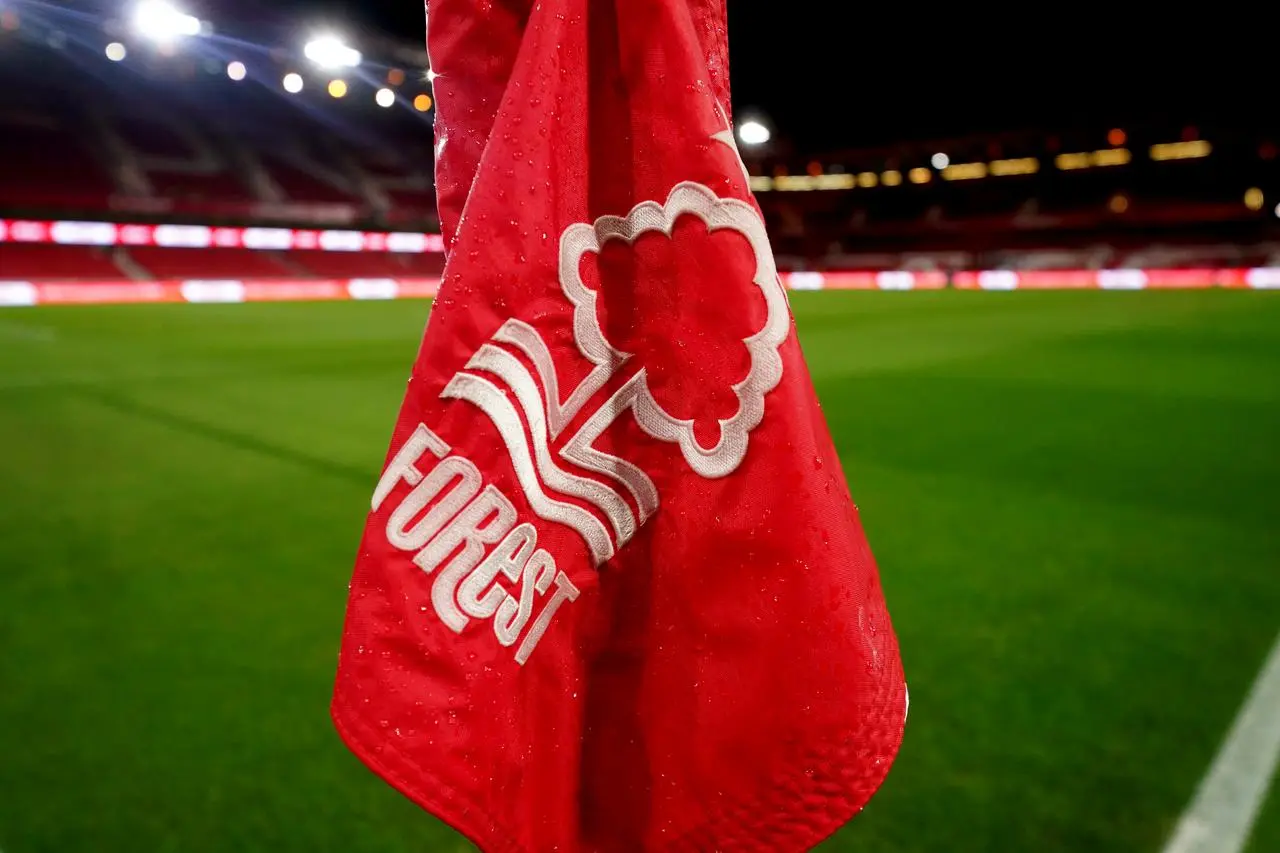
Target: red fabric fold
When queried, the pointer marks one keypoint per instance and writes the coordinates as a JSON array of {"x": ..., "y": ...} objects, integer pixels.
[{"x": 613, "y": 593}]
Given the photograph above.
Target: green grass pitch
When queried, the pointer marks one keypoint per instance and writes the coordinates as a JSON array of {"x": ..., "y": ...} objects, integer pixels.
[{"x": 1073, "y": 498}]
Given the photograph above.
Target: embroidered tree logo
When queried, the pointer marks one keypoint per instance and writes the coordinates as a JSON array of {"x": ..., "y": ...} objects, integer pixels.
[
  {"x": 734, "y": 219},
  {"x": 670, "y": 375}
]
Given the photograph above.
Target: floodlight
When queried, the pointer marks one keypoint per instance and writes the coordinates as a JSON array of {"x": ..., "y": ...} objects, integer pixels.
[
  {"x": 162, "y": 21},
  {"x": 116, "y": 52},
  {"x": 236, "y": 70},
  {"x": 753, "y": 133},
  {"x": 940, "y": 161},
  {"x": 385, "y": 98},
  {"x": 292, "y": 83},
  {"x": 330, "y": 52}
]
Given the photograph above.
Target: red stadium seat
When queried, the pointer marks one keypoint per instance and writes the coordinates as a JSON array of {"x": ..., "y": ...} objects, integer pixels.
[
  {"x": 211, "y": 263},
  {"x": 300, "y": 186},
  {"x": 44, "y": 166},
  {"x": 215, "y": 187},
  {"x": 352, "y": 264},
  {"x": 29, "y": 262},
  {"x": 426, "y": 265}
]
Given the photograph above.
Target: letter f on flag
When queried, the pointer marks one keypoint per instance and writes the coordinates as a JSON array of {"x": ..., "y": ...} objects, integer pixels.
[{"x": 612, "y": 593}]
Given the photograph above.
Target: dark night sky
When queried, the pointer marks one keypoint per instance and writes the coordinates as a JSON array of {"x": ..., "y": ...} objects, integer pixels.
[{"x": 898, "y": 71}]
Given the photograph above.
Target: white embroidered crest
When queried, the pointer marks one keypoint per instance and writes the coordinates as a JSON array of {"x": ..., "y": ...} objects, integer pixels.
[{"x": 544, "y": 414}]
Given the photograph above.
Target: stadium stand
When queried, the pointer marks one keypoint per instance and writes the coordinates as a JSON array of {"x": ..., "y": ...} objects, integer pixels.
[
  {"x": 45, "y": 162},
  {"x": 355, "y": 264},
  {"x": 211, "y": 263},
  {"x": 36, "y": 262},
  {"x": 173, "y": 139}
]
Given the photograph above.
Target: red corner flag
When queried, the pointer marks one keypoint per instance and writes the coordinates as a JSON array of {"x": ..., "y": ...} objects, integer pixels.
[{"x": 613, "y": 594}]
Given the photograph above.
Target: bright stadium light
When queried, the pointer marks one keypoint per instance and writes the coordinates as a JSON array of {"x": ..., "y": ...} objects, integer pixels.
[
  {"x": 753, "y": 133},
  {"x": 940, "y": 161},
  {"x": 292, "y": 83},
  {"x": 236, "y": 70},
  {"x": 330, "y": 52},
  {"x": 163, "y": 22},
  {"x": 116, "y": 52},
  {"x": 385, "y": 98}
]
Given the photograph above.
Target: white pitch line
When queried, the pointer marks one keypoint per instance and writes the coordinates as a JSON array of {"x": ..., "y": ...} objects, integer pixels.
[{"x": 1220, "y": 817}]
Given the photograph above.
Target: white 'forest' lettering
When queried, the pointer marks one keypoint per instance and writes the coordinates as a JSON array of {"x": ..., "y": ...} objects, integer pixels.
[{"x": 466, "y": 534}]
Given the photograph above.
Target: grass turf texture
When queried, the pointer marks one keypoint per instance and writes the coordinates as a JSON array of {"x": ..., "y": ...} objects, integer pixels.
[{"x": 1072, "y": 497}]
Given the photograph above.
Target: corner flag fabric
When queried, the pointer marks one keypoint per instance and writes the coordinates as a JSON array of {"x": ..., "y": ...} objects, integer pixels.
[{"x": 612, "y": 594}]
